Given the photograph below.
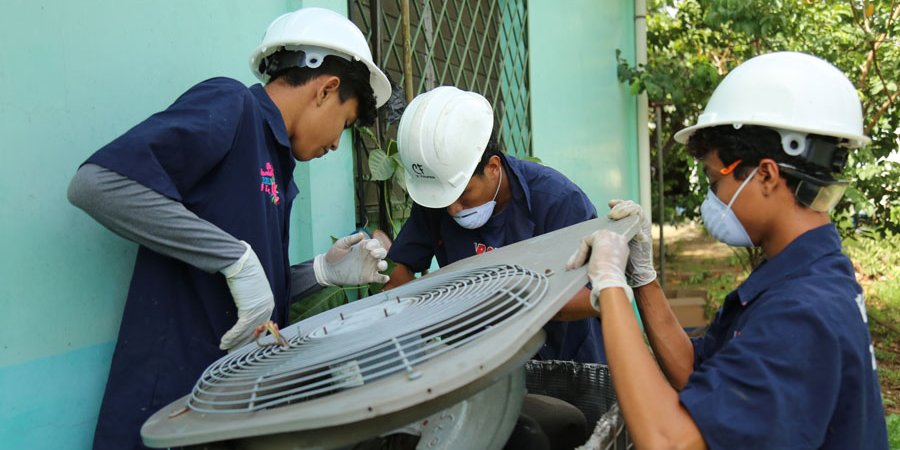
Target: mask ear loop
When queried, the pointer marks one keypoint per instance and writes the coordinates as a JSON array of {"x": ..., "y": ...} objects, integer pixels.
[
  {"x": 499, "y": 182},
  {"x": 743, "y": 185},
  {"x": 726, "y": 171}
]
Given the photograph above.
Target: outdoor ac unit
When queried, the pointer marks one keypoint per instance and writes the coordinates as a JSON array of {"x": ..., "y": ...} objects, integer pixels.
[{"x": 441, "y": 357}]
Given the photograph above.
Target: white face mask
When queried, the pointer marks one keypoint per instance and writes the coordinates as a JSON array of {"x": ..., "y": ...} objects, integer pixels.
[
  {"x": 476, "y": 217},
  {"x": 721, "y": 221}
]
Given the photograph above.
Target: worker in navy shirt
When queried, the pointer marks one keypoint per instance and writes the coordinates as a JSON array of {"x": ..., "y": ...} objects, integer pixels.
[
  {"x": 470, "y": 199},
  {"x": 205, "y": 187},
  {"x": 788, "y": 361}
]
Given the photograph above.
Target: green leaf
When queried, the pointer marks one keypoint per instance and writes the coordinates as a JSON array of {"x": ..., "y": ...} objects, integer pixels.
[
  {"x": 365, "y": 131},
  {"x": 400, "y": 179},
  {"x": 380, "y": 165},
  {"x": 392, "y": 148},
  {"x": 635, "y": 88},
  {"x": 319, "y": 302}
]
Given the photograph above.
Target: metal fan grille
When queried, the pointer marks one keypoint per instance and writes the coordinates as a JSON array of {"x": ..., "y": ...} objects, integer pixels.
[{"x": 368, "y": 340}]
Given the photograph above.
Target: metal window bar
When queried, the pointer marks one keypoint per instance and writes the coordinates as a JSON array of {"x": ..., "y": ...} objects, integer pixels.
[{"x": 478, "y": 45}]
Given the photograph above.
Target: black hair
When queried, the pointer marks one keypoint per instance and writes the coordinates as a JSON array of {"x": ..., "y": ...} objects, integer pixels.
[
  {"x": 751, "y": 144},
  {"x": 354, "y": 77},
  {"x": 491, "y": 149}
]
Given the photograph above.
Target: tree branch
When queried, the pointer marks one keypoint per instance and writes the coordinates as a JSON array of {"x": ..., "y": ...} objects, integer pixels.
[
  {"x": 881, "y": 110},
  {"x": 670, "y": 142},
  {"x": 873, "y": 57},
  {"x": 876, "y": 43}
]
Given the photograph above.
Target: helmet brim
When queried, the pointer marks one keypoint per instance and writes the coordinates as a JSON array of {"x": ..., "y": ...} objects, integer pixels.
[
  {"x": 381, "y": 87},
  {"x": 853, "y": 140},
  {"x": 436, "y": 195}
]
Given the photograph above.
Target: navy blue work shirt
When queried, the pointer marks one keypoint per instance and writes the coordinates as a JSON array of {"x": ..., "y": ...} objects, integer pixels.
[
  {"x": 788, "y": 361},
  {"x": 543, "y": 200},
  {"x": 222, "y": 150}
]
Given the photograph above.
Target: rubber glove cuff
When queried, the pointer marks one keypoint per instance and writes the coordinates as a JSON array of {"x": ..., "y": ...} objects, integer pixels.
[
  {"x": 252, "y": 296},
  {"x": 351, "y": 261}
]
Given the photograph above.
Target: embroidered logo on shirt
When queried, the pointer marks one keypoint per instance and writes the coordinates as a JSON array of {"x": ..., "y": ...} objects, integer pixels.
[
  {"x": 481, "y": 248},
  {"x": 267, "y": 183}
]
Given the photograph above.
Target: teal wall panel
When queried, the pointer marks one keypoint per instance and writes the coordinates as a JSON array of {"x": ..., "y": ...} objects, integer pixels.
[
  {"x": 325, "y": 205},
  {"x": 583, "y": 119},
  {"x": 52, "y": 403},
  {"x": 84, "y": 73},
  {"x": 74, "y": 76}
]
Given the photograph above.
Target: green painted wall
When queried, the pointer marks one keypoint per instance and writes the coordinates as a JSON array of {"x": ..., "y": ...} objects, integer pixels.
[
  {"x": 74, "y": 76},
  {"x": 583, "y": 119},
  {"x": 325, "y": 205}
]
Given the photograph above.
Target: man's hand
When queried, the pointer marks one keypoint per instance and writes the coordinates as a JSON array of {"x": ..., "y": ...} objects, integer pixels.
[
  {"x": 640, "y": 262},
  {"x": 252, "y": 295},
  {"x": 608, "y": 257},
  {"x": 352, "y": 261}
]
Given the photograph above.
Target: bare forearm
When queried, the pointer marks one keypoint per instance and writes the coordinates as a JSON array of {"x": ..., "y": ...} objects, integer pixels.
[
  {"x": 653, "y": 413},
  {"x": 400, "y": 275},
  {"x": 670, "y": 343},
  {"x": 579, "y": 307}
]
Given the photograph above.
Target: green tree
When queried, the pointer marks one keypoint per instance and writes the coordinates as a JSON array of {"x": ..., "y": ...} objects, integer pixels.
[{"x": 692, "y": 44}]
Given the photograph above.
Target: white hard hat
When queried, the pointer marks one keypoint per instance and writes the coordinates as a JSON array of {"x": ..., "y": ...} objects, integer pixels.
[
  {"x": 794, "y": 93},
  {"x": 320, "y": 32},
  {"x": 441, "y": 138}
]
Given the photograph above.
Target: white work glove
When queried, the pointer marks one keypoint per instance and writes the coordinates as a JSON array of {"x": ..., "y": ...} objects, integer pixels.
[
  {"x": 252, "y": 295},
  {"x": 352, "y": 261},
  {"x": 608, "y": 251},
  {"x": 640, "y": 262}
]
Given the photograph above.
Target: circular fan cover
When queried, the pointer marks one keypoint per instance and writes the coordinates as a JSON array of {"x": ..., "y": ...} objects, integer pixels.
[
  {"x": 368, "y": 340},
  {"x": 388, "y": 360}
]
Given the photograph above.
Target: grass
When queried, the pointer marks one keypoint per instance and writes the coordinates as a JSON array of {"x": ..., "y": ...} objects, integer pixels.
[
  {"x": 877, "y": 263},
  {"x": 694, "y": 260},
  {"x": 893, "y": 427}
]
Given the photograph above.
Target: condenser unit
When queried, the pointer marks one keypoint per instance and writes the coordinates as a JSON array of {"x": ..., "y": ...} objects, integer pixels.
[{"x": 441, "y": 357}]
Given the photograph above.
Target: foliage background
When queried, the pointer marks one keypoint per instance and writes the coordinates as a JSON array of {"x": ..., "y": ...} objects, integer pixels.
[{"x": 692, "y": 44}]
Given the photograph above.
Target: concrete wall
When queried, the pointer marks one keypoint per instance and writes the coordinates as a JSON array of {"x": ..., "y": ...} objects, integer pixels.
[
  {"x": 583, "y": 119},
  {"x": 73, "y": 76}
]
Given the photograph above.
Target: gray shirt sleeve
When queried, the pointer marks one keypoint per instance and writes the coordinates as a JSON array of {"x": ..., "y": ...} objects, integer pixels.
[
  {"x": 303, "y": 280},
  {"x": 151, "y": 219},
  {"x": 163, "y": 225}
]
